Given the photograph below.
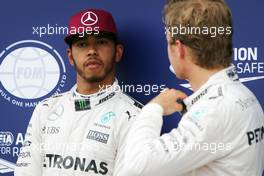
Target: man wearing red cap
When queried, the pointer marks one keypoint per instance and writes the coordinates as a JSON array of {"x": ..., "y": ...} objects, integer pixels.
[{"x": 82, "y": 132}]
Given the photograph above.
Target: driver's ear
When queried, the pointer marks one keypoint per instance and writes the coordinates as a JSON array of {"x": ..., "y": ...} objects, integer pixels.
[
  {"x": 119, "y": 52},
  {"x": 180, "y": 48},
  {"x": 70, "y": 56}
]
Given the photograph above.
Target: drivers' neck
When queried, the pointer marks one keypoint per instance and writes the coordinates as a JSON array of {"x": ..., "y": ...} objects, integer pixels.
[
  {"x": 198, "y": 76},
  {"x": 86, "y": 88}
]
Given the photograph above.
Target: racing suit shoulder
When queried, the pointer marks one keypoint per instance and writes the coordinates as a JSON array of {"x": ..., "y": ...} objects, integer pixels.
[
  {"x": 236, "y": 105},
  {"x": 127, "y": 109},
  {"x": 127, "y": 106},
  {"x": 222, "y": 99},
  {"x": 128, "y": 100},
  {"x": 53, "y": 99},
  {"x": 49, "y": 104}
]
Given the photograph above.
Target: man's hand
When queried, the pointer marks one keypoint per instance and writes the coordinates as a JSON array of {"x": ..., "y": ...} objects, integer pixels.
[{"x": 168, "y": 100}]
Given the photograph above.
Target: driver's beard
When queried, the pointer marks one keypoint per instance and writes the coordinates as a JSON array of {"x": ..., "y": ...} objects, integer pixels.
[{"x": 96, "y": 78}]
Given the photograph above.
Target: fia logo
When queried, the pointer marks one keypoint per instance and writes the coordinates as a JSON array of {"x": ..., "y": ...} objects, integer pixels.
[{"x": 6, "y": 138}]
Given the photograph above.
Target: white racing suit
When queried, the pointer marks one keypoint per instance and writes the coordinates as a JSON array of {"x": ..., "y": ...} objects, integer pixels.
[
  {"x": 221, "y": 134},
  {"x": 77, "y": 135}
]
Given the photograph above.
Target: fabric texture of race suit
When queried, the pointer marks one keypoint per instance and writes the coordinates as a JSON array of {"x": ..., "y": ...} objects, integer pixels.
[
  {"x": 76, "y": 135},
  {"x": 221, "y": 134}
]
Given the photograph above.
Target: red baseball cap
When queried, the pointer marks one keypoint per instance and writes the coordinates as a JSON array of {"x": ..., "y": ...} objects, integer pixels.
[{"x": 90, "y": 21}]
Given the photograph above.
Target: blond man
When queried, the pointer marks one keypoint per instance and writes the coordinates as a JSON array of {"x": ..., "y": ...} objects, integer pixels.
[{"x": 222, "y": 127}]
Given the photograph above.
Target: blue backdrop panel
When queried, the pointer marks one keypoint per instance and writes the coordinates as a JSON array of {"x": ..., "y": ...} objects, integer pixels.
[{"x": 27, "y": 76}]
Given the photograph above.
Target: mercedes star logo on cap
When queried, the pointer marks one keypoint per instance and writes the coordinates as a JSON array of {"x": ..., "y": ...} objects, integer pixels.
[{"x": 89, "y": 18}]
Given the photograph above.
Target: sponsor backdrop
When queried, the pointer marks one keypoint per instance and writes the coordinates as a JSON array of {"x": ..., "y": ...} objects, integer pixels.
[{"x": 34, "y": 64}]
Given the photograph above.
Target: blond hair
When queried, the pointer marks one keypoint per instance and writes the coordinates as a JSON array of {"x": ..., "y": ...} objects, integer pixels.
[{"x": 210, "y": 52}]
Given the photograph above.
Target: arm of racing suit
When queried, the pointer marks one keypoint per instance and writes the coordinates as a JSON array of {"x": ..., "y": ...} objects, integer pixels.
[
  {"x": 29, "y": 162},
  {"x": 175, "y": 153}
]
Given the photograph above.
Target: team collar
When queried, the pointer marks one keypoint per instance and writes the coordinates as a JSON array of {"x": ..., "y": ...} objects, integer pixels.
[{"x": 86, "y": 102}]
